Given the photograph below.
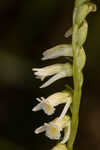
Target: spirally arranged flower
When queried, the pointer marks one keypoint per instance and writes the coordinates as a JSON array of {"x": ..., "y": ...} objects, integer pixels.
[
  {"x": 49, "y": 104},
  {"x": 58, "y": 70},
  {"x": 53, "y": 129},
  {"x": 68, "y": 124}
]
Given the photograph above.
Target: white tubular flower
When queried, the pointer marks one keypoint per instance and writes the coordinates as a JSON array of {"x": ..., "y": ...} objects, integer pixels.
[
  {"x": 44, "y": 72},
  {"x": 57, "y": 51},
  {"x": 68, "y": 33},
  {"x": 54, "y": 127},
  {"x": 58, "y": 70},
  {"x": 59, "y": 146},
  {"x": 48, "y": 104},
  {"x": 64, "y": 71}
]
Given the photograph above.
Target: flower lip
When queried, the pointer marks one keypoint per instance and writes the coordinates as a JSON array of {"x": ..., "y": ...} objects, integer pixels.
[
  {"x": 48, "y": 109},
  {"x": 53, "y": 129},
  {"x": 48, "y": 105}
]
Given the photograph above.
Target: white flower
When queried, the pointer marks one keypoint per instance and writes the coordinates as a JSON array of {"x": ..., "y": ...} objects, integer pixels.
[
  {"x": 59, "y": 146},
  {"x": 58, "y": 70},
  {"x": 48, "y": 104},
  {"x": 42, "y": 73},
  {"x": 68, "y": 33},
  {"x": 53, "y": 129},
  {"x": 57, "y": 51}
]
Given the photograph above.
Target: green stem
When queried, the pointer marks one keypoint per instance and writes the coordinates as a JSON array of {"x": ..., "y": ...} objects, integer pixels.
[
  {"x": 77, "y": 86},
  {"x": 76, "y": 101}
]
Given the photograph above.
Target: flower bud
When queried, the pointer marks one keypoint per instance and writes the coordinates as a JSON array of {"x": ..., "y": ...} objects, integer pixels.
[{"x": 83, "y": 11}]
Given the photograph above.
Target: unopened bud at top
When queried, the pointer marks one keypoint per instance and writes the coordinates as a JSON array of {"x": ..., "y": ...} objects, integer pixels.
[{"x": 83, "y": 11}]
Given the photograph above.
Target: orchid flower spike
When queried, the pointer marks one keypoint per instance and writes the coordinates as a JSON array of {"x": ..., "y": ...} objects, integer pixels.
[
  {"x": 53, "y": 129},
  {"x": 48, "y": 104},
  {"x": 58, "y": 51},
  {"x": 59, "y": 146},
  {"x": 58, "y": 70}
]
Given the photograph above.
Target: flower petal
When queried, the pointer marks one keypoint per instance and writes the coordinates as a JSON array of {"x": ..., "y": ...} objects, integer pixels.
[
  {"x": 67, "y": 72},
  {"x": 37, "y": 107},
  {"x": 67, "y": 105},
  {"x": 57, "y": 51},
  {"x": 53, "y": 79},
  {"x": 42, "y": 73},
  {"x": 40, "y": 129}
]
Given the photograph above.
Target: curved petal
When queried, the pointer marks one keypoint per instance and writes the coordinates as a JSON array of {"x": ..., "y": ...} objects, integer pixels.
[{"x": 53, "y": 79}]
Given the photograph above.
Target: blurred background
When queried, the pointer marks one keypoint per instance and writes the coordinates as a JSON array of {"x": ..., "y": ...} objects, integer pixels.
[{"x": 27, "y": 28}]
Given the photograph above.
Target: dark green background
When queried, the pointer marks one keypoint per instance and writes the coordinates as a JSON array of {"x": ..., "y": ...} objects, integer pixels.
[{"x": 27, "y": 28}]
